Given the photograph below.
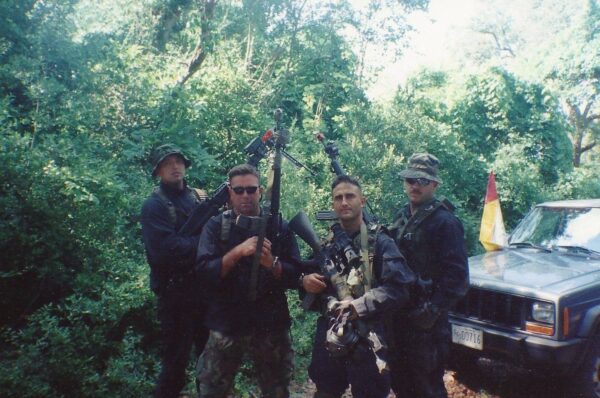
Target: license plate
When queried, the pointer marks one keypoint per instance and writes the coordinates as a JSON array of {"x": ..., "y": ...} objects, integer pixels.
[{"x": 469, "y": 337}]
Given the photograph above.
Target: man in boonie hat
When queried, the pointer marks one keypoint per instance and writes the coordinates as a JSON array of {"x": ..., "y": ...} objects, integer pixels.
[
  {"x": 421, "y": 178},
  {"x": 171, "y": 256},
  {"x": 162, "y": 152},
  {"x": 431, "y": 238}
]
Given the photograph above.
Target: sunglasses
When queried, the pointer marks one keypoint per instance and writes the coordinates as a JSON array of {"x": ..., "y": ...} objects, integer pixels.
[
  {"x": 421, "y": 181},
  {"x": 240, "y": 190}
]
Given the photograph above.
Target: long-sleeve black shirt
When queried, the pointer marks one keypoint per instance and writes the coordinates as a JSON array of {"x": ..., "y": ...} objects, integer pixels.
[
  {"x": 440, "y": 236},
  {"x": 229, "y": 309},
  {"x": 168, "y": 252},
  {"x": 393, "y": 279}
]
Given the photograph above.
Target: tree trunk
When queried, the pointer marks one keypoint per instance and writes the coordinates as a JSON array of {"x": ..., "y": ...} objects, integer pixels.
[
  {"x": 201, "y": 50},
  {"x": 582, "y": 124},
  {"x": 249, "y": 46}
]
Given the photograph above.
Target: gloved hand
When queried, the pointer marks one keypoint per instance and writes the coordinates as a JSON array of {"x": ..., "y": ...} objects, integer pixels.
[
  {"x": 336, "y": 307},
  {"x": 425, "y": 315}
]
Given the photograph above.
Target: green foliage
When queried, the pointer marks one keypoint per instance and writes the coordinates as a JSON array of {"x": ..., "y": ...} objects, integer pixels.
[
  {"x": 88, "y": 89},
  {"x": 519, "y": 182},
  {"x": 92, "y": 344},
  {"x": 499, "y": 109},
  {"x": 582, "y": 182}
]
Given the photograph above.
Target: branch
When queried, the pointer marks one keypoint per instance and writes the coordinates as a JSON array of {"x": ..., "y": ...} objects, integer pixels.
[
  {"x": 587, "y": 147},
  {"x": 499, "y": 46},
  {"x": 200, "y": 52},
  {"x": 587, "y": 109}
]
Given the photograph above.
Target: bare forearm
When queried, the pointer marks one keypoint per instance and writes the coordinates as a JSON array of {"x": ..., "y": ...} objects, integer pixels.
[{"x": 230, "y": 259}]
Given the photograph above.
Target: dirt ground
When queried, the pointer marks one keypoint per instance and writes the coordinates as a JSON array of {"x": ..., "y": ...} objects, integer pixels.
[
  {"x": 492, "y": 379},
  {"x": 486, "y": 379}
]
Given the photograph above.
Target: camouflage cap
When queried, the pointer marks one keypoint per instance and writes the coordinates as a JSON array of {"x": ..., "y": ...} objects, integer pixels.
[
  {"x": 422, "y": 165},
  {"x": 161, "y": 152}
]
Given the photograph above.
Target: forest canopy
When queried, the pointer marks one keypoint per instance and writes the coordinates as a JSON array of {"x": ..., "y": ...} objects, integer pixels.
[{"x": 89, "y": 88}]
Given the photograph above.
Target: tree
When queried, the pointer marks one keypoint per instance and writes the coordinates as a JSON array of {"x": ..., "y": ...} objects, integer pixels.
[
  {"x": 576, "y": 77},
  {"x": 499, "y": 109},
  {"x": 553, "y": 43}
]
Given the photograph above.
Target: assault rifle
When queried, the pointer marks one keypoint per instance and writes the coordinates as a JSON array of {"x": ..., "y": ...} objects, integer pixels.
[
  {"x": 330, "y": 262},
  {"x": 270, "y": 221},
  {"x": 257, "y": 149},
  {"x": 343, "y": 335}
]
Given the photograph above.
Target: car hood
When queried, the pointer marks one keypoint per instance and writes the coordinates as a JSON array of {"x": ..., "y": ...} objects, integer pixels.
[{"x": 530, "y": 270}]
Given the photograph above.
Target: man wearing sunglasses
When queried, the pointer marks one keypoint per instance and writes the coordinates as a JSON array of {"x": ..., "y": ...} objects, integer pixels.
[
  {"x": 171, "y": 257},
  {"x": 431, "y": 238},
  {"x": 240, "y": 326}
]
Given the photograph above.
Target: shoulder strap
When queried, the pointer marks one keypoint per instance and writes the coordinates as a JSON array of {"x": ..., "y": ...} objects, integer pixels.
[
  {"x": 366, "y": 265},
  {"x": 170, "y": 206},
  {"x": 226, "y": 221},
  {"x": 416, "y": 219},
  {"x": 368, "y": 247},
  {"x": 447, "y": 204}
]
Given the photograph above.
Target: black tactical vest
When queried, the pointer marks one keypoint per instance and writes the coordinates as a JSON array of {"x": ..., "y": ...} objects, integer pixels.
[
  {"x": 411, "y": 239},
  {"x": 373, "y": 231}
]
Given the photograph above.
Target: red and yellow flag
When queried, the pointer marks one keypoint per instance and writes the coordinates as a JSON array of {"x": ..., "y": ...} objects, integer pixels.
[{"x": 492, "y": 234}]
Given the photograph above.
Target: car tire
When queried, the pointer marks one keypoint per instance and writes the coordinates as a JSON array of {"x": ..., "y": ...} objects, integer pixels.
[{"x": 587, "y": 378}]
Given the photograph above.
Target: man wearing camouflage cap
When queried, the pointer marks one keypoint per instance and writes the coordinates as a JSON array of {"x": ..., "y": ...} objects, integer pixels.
[
  {"x": 431, "y": 238},
  {"x": 171, "y": 256}
]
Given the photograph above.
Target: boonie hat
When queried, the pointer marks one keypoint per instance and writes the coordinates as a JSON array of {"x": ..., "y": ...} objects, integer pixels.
[
  {"x": 422, "y": 165},
  {"x": 161, "y": 152}
]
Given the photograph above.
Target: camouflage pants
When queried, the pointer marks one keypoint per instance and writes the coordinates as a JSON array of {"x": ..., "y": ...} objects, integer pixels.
[{"x": 271, "y": 354}]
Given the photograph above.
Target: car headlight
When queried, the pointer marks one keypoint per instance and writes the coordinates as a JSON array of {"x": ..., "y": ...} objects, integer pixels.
[{"x": 543, "y": 312}]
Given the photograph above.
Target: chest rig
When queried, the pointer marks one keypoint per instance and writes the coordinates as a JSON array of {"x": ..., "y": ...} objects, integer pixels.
[
  {"x": 197, "y": 195},
  {"x": 358, "y": 277},
  {"x": 412, "y": 241}
]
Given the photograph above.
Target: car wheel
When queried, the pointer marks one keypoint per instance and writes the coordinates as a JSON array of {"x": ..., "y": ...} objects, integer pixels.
[{"x": 587, "y": 378}]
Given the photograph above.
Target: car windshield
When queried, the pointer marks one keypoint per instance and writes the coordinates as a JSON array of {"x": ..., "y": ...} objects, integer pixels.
[{"x": 560, "y": 227}]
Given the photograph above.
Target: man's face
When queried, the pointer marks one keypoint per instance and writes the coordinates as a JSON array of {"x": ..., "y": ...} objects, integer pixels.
[
  {"x": 171, "y": 170},
  {"x": 348, "y": 202},
  {"x": 419, "y": 190},
  {"x": 244, "y": 195}
]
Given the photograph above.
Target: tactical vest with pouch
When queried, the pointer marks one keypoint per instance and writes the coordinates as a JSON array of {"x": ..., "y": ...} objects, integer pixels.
[
  {"x": 196, "y": 194},
  {"x": 361, "y": 278},
  {"x": 409, "y": 236}
]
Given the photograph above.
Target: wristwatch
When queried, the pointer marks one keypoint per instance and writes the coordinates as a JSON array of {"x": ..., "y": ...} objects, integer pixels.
[
  {"x": 276, "y": 267},
  {"x": 301, "y": 280}
]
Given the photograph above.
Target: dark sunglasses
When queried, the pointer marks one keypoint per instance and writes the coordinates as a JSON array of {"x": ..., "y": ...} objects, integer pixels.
[
  {"x": 240, "y": 190},
  {"x": 421, "y": 181}
]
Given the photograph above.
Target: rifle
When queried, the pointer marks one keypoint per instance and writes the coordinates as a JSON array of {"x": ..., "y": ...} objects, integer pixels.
[
  {"x": 270, "y": 223},
  {"x": 343, "y": 335},
  {"x": 257, "y": 149},
  {"x": 333, "y": 152},
  {"x": 331, "y": 265}
]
